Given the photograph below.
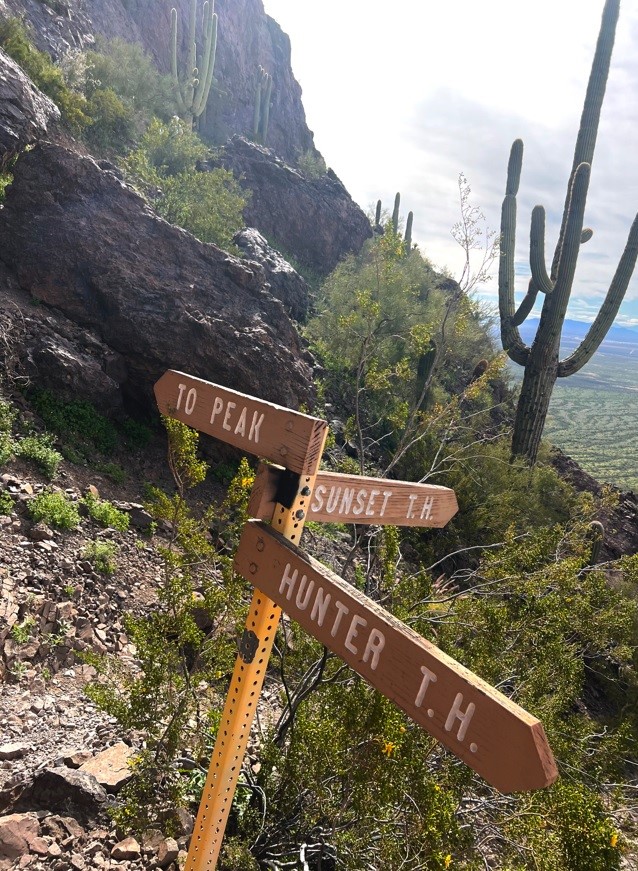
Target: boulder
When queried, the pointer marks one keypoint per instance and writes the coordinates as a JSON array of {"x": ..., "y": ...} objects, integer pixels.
[
  {"x": 19, "y": 836},
  {"x": 82, "y": 242},
  {"x": 63, "y": 789},
  {"x": 25, "y": 113},
  {"x": 110, "y": 767},
  {"x": 283, "y": 279}
]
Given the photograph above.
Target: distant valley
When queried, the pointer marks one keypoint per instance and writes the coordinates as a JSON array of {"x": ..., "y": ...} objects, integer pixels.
[{"x": 594, "y": 414}]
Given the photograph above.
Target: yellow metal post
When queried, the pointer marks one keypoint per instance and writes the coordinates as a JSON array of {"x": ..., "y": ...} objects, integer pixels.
[{"x": 243, "y": 695}]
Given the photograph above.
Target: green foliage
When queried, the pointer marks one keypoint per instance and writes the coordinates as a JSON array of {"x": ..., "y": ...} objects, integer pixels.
[
  {"x": 170, "y": 694},
  {"x": 207, "y": 204},
  {"x": 166, "y": 149},
  {"x": 102, "y": 555},
  {"x": 5, "y": 180},
  {"x": 7, "y": 504},
  {"x": 39, "y": 449},
  {"x": 112, "y": 123},
  {"x": 55, "y": 510},
  {"x": 7, "y": 417},
  {"x": 14, "y": 39},
  {"x": 312, "y": 164},
  {"x": 125, "y": 69},
  {"x": 21, "y": 632},
  {"x": 105, "y": 513}
]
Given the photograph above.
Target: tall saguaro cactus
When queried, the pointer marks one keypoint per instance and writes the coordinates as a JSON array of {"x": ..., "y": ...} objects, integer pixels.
[
  {"x": 191, "y": 90},
  {"x": 263, "y": 95},
  {"x": 541, "y": 360}
]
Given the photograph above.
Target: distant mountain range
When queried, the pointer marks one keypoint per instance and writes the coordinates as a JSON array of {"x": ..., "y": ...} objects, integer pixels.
[{"x": 619, "y": 340}]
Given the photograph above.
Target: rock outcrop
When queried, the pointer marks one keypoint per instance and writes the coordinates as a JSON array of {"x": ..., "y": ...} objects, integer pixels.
[
  {"x": 284, "y": 281},
  {"x": 25, "y": 113},
  {"x": 316, "y": 218},
  {"x": 82, "y": 242},
  {"x": 247, "y": 39}
]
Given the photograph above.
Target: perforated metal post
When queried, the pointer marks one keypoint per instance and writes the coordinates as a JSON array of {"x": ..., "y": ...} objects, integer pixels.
[{"x": 243, "y": 695}]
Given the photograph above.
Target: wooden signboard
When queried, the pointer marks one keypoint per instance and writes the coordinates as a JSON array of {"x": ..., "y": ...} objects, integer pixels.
[
  {"x": 491, "y": 734},
  {"x": 338, "y": 498},
  {"x": 278, "y": 434}
]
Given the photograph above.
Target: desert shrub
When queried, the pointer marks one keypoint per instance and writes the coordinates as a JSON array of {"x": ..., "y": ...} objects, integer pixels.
[
  {"x": 105, "y": 513},
  {"x": 39, "y": 449},
  {"x": 14, "y": 39},
  {"x": 207, "y": 204},
  {"x": 312, "y": 164},
  {"x": 6, "y": 503},
  {"x": 164, "y": 695},
  {"x": 167, "y": 148},
  {"x": 125, "y": 68},
  {"x": 112, "y": 125},
  {"x": 55, "y": 510},
  {"x": 102, "y": 555}
]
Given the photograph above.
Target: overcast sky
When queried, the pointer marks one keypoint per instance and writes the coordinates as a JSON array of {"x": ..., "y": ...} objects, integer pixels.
[{"x": 404, "y": 97}]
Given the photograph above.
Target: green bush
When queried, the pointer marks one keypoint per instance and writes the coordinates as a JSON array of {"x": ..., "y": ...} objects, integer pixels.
[
  {"x": 6, "y": 504},
  {"x": 207, "y": 204},
  {"x": 167, "y": 149},
  {"x": 312, "y": 164},
  {"x": 14, "y": 39},
  {"x": 39, "y": 449},
  {"x": 127, "y": 70},
  {"x": 106, "y": 514},
  {"x": 102, "y": 555},
  {"x": 55, "y": 510},
  {"x": 112, "y": 125}
]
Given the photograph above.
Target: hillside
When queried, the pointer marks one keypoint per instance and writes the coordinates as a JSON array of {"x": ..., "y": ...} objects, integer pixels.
[{"x": 133, "y": 241}]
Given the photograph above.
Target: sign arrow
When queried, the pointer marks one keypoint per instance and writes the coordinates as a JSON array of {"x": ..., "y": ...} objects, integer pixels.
[{"x": 495, "y": 737}]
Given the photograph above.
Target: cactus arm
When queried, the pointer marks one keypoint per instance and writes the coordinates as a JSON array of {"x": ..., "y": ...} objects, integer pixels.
[
  {"x": 526, "y": 305},
  {"x": 510, "y": 336},
  {"x": 608, "y": 310},
  {"x": 208, "y": 59},
  {"x": 537, "y": 251},
  {"x": 514, "y": 167},
  {"x": 266, "y": 110},
  {"x": 408, "y": 233},
  {"x": 257, "y": 112},
  {"x": 377, "y": 214},
  {"x": 177, "y": 88},
  {"x": 395, "y": 213},
  {"x": 192, "y": 57}
]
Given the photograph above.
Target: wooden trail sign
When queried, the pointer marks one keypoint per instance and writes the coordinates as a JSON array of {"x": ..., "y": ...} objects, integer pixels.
[
  {"x": 338, "y": 498},
  {"x": 297, "y": 441},
  {"x": 498, "y": 739},
  {"x": 292, "y": 439}
]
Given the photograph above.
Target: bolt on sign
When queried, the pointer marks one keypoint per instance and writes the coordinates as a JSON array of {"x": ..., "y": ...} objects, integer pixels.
[
  {"x": 498, "y": 739},
  {"x": 490, "y": 733}
]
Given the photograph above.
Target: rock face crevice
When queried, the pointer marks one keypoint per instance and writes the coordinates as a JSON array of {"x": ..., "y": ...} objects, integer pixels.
[{"x": 79, "y": 240}]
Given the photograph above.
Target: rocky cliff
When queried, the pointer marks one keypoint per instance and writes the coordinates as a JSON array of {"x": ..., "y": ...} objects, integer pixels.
[{"x": 247, "y": 39}]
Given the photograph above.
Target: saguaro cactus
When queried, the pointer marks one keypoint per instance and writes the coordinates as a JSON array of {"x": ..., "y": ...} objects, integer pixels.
[
  {"x": 263, "y": 94},
  {"x": 541, "y": 360},
  {"x": 192, "y": 90}
]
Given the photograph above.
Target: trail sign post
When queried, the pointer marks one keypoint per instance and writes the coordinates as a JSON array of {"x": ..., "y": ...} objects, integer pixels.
[
  {"x": 277, "y": 434},
  {"x": 490, "y": 733}
]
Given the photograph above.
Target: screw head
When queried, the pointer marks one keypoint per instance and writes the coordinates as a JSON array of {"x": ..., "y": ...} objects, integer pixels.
[
  {"x": 306, "y": 491},
  {"x": 300, "y": 514}
]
